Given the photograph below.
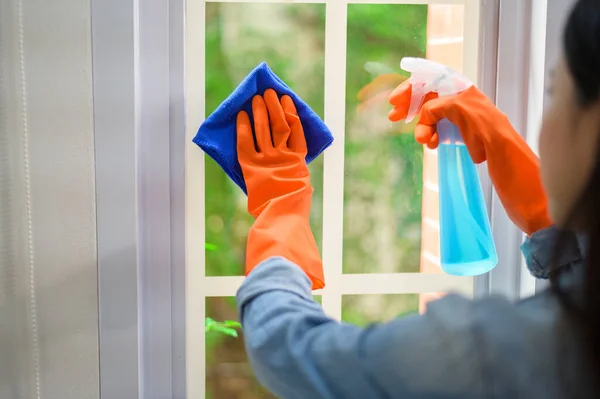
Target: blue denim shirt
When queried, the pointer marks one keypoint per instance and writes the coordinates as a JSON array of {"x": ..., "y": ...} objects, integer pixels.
[{"x": 460, "y": 348}]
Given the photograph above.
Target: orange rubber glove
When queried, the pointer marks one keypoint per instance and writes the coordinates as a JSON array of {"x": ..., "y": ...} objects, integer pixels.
[
  {"x": 278, "y": 183},
  {"x": 513, "y": 167}
]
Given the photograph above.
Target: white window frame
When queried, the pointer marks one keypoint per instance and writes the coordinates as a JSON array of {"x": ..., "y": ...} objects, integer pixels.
[
  {"x": 152, "y": 306},
  {"x": 548, "y": 19},
  {"x": 529, "y": 41},
  {"x": 511, "y": 96},
  {"x": 337, "y": 283},
  {"x": 138, "y": 76}
]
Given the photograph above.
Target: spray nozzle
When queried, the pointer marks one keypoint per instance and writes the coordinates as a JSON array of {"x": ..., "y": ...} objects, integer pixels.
[{"x": 426, "y": 77}]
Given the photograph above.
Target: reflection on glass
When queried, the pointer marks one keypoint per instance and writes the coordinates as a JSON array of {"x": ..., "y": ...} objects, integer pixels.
[
  {"x": 366, "y": 309},
  {"x": 237, "y": 40},
  {"x": 383, "y": 163}
]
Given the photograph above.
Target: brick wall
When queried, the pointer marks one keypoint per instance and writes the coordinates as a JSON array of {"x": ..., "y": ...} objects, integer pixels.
[{"x": 444, "y": 45}]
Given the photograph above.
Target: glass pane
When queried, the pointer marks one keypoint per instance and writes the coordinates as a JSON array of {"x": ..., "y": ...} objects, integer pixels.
[
  {"x": 366, "y": 309},
  {"x": 391, "y": 221},
  {"x": 228, "y": 373},
  {"x": 237, "y": 40}
]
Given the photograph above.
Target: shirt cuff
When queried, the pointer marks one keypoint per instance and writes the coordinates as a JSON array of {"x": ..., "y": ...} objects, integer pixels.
[{"x": 539, "y": 251}]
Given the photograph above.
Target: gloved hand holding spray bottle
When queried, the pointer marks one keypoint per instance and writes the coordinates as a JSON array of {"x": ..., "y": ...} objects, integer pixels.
[{"x": 467, "y": 246}]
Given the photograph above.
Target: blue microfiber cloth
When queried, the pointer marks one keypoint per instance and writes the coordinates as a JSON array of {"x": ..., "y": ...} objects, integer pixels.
[{"x": 217, "y": 135}]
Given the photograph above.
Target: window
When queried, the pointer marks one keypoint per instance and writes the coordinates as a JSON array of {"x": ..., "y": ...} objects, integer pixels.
[
  {"x": 151, "y": 306},
  {"x": 375, "y": 204}
]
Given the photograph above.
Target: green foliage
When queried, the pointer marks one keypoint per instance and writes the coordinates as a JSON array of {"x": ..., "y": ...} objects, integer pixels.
[
  {"x": 379, "y": 161},
  {"x": 227, "y": 327},
  {"x": 210, "y": 247}
]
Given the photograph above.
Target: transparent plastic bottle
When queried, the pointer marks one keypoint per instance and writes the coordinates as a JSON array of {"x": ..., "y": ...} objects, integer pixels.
[{"x": 466, "y": 244}]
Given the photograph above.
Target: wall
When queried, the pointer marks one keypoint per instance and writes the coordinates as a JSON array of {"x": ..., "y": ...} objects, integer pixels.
[
  {"x": 48, "y": 268},
  {"x": 444, "y": 45}
]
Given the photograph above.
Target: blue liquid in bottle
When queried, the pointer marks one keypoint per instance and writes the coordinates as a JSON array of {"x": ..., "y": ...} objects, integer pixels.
[{"x": 466, "y": 244}]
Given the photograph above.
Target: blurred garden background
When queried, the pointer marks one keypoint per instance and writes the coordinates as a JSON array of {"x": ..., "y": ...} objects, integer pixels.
[{"x": 383, "y": 164}]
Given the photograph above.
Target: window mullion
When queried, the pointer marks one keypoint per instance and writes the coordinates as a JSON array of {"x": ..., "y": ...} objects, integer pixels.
[
  {"x": 195, "y": 202},
  {"x": 333, "y": 179}
]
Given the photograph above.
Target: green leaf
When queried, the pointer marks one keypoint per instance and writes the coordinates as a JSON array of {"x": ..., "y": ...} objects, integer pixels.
[
  {"x": 226, "y": 330},
  {"x": 227, "y": 327},
  {"x": 210, "y": 247},
  {"x": 232, "y": 324}
]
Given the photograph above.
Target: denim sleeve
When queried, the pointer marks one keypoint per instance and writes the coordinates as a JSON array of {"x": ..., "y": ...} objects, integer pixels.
[
  {"x": 539, "y": 251},
  {"x": 297, "y": 351}
]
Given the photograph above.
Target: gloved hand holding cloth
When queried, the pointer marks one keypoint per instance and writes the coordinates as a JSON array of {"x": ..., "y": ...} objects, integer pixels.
[
  {"x": 513, "y": 167},
  {"x": 272, "y": 157}
]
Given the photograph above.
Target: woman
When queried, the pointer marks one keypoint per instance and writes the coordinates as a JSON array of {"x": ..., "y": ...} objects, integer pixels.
[{"x": 547, "y": 346}]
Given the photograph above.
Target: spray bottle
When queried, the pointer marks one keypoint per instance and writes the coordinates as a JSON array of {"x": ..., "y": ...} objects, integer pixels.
[{"x": 466, "y": 244}]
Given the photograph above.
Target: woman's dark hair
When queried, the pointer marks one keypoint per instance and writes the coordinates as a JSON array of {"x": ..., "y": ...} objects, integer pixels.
[{"x": 582, "y": 56}]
